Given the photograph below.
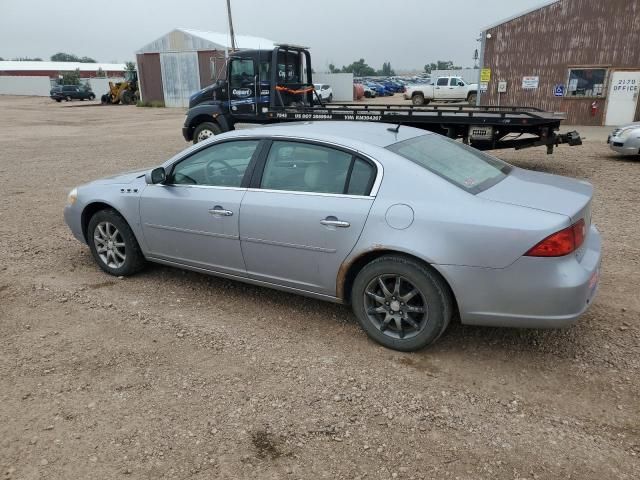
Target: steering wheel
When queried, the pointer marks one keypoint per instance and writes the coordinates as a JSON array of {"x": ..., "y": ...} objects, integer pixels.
[
  {"x": 182, "y": 179},
  {"x": 211, "y": 173}
]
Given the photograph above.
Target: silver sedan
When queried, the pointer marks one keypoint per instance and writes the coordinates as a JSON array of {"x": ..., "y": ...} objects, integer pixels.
[
  {"x": 410, "y": 228},
  {"x": 626, "y": 139}
]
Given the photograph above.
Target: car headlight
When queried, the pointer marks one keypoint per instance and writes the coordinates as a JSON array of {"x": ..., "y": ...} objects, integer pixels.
[{"x": 72, "y": 197}]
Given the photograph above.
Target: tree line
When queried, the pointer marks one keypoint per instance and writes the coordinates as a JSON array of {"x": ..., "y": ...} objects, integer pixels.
[
  {"x": 360, "y": 68},
  {"x": 58, "y": 57}
]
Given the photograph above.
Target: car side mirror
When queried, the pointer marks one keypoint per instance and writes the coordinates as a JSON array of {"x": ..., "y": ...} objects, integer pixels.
[
  {"x": 157, "y": 175},
  {"x": 460, "y": 84}
]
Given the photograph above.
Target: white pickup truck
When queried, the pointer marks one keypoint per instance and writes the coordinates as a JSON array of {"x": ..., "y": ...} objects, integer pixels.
[{"x": 444, "y": 89}]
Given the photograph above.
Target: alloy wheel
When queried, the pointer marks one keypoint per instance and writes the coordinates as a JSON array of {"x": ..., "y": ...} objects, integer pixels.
[
  {"x": 395, "y": 306},
  {"x": 204, "y": 134},
  {"x": 110, "y": 245}
]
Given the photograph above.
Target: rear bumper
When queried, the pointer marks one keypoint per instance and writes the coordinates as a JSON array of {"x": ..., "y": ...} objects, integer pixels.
[{"x": 530, "y": 293}]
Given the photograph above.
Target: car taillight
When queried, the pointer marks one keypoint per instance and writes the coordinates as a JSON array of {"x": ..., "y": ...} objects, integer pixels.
[{"x": 561, "y": 243}]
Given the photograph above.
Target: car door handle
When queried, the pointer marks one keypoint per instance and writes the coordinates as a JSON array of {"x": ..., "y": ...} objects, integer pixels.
[
  {"x": 334, "y": 222},
  {"x": 218, "y": 210}
]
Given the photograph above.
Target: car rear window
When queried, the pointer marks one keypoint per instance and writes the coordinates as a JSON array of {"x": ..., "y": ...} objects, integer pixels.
[{"x": 465, "y": 167}]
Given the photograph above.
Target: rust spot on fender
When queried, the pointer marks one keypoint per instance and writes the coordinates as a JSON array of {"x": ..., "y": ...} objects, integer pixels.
[{"x": 346, "y": 266}]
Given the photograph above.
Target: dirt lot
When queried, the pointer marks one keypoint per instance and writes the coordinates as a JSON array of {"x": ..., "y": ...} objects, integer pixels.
[{"x": 171, "y": 374}]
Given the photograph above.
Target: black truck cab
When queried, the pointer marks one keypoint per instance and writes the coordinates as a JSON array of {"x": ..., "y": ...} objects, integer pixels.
[{"x": 255, "y": 81}]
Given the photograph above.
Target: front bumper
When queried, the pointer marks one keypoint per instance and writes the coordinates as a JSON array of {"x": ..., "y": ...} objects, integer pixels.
[
  {"x": 73, "y": 219},
  {"x": 187, "y": 134},
  {"x": 530, "y": 293},
  {"x": 629, "y": 145}
]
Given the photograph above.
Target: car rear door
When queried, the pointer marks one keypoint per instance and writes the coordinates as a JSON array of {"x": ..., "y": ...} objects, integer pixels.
[
  {"x": 304, "y": 213},
  {"x": 441, "y": 88},
  {"x": 193, "y": 218}
]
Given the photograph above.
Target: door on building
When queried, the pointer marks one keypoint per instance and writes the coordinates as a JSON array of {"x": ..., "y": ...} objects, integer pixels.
[
  {"x": 623, "y": 97},
  {"x": 180, "y": 77}
]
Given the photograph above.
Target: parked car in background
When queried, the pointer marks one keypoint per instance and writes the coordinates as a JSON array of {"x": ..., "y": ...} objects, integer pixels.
[
  {"x": 325, "y": 92},
  {"x": 71, "y": 92},
  {"x": 409, "y": 227},
  {"x": 626, "y": 139},
  {"x": 369, "y": 92},
  {"x": 445, "y": 89}
]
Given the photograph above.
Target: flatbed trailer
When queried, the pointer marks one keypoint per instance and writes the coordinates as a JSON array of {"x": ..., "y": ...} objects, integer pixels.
[{"x": 269, "y": 89}]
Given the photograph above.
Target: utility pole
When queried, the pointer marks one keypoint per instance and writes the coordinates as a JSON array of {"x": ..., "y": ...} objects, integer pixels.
[{"x": 233, "y": 36}]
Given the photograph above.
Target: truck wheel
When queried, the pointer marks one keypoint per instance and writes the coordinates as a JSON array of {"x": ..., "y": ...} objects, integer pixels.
[
  {"x": 472, "y": 98},
  {"x": 126, "y": 98},
  {"x": 205, "y": 130},
  {"x": 417, "y": 99},
  {"x": 330, "y": 99}
]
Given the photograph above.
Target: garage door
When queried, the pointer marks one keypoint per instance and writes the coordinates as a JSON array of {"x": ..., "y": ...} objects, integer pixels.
[{"x": 180, "y": 77}]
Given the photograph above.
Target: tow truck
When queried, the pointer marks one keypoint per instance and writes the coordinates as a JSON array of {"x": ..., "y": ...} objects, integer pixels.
[{"x": 271, "y": 86}]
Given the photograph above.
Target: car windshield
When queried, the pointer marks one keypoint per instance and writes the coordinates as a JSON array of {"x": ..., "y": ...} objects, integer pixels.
[{"x": 465, "y": 167}]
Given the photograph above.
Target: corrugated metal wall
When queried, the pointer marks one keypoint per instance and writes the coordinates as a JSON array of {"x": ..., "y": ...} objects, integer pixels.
[
  {"x": 180, "y": 77},
  {"x": 150, "y": 77},
  {"x": 548, "y": 41},
  {"x": 206, "y": 59}
]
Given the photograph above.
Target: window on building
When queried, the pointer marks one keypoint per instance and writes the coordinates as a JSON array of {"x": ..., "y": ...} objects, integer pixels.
[{"x": 586, "y": 82}]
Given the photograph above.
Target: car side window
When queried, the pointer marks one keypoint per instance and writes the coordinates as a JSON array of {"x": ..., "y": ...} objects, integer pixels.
[
  {"x": 303, "y": 167},
  {"x": 220, "y": 165},
  {"x": 454, "y": 82},
  {"x": 443, "y": 81},
  {"x": 242, "y": 72},
  {"x": 363, "y": 174}
]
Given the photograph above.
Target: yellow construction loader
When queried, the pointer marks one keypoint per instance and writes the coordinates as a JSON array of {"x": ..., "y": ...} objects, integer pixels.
[{"x": 126, "y": 92}]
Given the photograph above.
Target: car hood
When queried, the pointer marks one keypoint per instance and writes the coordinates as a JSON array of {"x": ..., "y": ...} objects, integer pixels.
[
  {"x": 122, "y": 178},
  {"x": 628, "y": 125},
  {"x": 542, "y": 191}
]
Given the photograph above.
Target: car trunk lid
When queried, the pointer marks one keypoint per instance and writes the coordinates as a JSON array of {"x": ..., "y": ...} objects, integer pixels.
[{"x": 543, "y": 191}]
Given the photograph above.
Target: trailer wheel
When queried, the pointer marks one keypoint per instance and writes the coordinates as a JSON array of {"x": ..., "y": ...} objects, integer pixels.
[
  {"x": 472, "y": 98},
  {"x": 205, "y": 130},
  {"x": 417, "y": 99}
]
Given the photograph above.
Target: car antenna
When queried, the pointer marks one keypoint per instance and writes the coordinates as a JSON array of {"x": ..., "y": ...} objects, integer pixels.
[{"x": 395, "y": 130}]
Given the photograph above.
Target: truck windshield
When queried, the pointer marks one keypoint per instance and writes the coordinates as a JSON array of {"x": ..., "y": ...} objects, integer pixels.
[{"x": 465, "y": 167}]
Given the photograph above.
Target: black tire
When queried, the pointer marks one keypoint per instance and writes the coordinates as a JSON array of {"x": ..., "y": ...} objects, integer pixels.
[
  {"x": 330, "y": 98},
  {"x": 68, "y": 98},
  {"x": 200, "y": 133},
  {"x": 92, "y": 97},
  {"x": 58, "y": 100},
  {"x": 417, "y": 99},
  {"x": 104, "y": 99},
  {"x": 433, "y": 294},
  {"x": 367, "y": 94},
  {"x": 471, "y": 99},
  {"x": 134, "y": 260}
]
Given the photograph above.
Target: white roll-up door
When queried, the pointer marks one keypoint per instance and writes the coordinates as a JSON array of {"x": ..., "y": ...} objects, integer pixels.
[{"x": 180, "y": 77}]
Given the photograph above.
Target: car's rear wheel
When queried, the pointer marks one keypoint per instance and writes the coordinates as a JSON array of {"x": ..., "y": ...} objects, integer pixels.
[
  {"x": 58, "y": 100},
  {"x": 113, "y": 244},
  {"x": 400, "y": 303},
  {"x": 417, "y": 99},
  {"x": 205, "y": 130}
]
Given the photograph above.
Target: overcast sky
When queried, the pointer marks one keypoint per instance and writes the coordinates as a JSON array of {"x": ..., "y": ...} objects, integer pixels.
[{"x": 408, "y": 33}]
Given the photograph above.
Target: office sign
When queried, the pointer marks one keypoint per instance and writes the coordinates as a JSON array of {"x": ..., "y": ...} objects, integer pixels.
[{"x": 530, "y": 83}]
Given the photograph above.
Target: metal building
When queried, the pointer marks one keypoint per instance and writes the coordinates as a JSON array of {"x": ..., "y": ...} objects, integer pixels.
[
  {"x": 183, "y": 61},
  {"x": 576, "y": 56}
]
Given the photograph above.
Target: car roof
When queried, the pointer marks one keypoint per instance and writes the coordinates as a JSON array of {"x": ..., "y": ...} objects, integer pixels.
[{"x": 347, "y": 133}]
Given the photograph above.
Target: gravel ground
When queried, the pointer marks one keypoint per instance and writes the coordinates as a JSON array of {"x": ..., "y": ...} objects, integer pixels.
[{"x": 172, "y": 374}]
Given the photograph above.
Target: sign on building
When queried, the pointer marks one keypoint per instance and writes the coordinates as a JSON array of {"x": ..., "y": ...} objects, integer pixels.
[
  {"x": 484, "y": 86},
  {"x": 558, "y": 90},
  {"x": 530, "y": 83},
  {"x": 502, "y": 87},
  {"x": 485, "y": 75}
]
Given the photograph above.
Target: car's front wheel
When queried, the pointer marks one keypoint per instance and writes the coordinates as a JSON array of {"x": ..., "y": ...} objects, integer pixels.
[
  {"x": 113, "y": 244},
  {"x": 92, "y": 97},
  {"x": 400, "y": 303}
]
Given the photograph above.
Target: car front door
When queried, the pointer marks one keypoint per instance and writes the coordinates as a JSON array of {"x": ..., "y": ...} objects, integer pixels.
[
  {"x": 192, "y": 218},
  {"x": 305, "y": 214},
  {"x": 456, "y": 92}
]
